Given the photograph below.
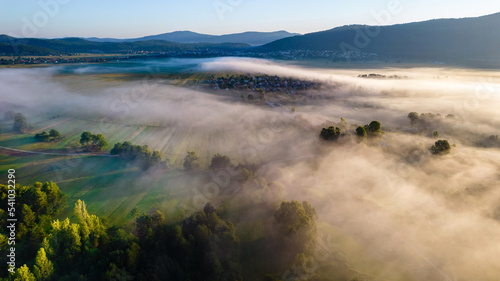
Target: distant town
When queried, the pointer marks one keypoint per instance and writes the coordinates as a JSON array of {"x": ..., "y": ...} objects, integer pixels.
[{"x": 261, "y": 83}]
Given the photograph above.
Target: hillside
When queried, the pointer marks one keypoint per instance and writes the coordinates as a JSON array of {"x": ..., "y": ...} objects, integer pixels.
[
  {"x": 441, "y": 39},
  {"x": 31, "y": 46}
]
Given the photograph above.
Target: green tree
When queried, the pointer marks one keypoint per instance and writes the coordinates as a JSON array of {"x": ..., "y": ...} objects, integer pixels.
[
  {"x": 296, "y": 222},
  {"x": 191, "y": 161},
  {"x": 332, "y": 133},
  {"x": 20, "y": 124},
  {"x": 93, "y": 142},
  {"x": 414, "y": 118},
  {"x": 441, "y": 147},
  {"x": 361, "y": 132},
  {"x": 98, "y": 142},
  {"x": 220, "y": 162},
  {"x": 86, "y": 138},
  {"x": 43, "y": 267},
  {"x": 42, "y": 137},
  {"x": 435, "y": 134},
  {"x": 53, "y": 133},
  {"x": 23, "y": 273},
  {"x": 375, "y": 128}
]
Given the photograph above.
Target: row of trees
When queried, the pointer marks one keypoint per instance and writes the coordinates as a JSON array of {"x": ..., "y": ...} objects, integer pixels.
[
  {"x": 52, "y": 135},
  {"x": 332, "y": 133},
  {"x": 140, "y": 154},
  {"x": 427, "y": 119},
  {"x": 218, "y": 161},
  {"x": 201, "y": 247}
]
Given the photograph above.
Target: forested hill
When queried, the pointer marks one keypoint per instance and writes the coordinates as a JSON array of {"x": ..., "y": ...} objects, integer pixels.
[
  {"x": 442, "y": 39},
  {"x": 250, "y": 37},
  {"x": 31, "y": 46}
]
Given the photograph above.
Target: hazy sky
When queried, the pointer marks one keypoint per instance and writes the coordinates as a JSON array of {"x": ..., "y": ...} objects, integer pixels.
[{"x": 128, "y": 19}]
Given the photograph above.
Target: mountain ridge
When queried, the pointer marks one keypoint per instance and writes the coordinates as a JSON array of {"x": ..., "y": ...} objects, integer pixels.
[{"x": 253, "y": 38}]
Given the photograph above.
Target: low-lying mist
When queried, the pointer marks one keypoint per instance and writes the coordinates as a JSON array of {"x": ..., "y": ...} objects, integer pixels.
[{"x": 432, "y": 217}]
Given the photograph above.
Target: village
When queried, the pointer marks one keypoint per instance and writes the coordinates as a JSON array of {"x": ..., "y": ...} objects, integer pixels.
[{"x": 261, "y": 83}]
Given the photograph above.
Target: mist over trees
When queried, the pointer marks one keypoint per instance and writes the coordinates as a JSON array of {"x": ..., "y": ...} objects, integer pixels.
[
  {"x": 191, "y": 161},
  {"x": 203, "y": 246},
  {"x": 139, "y": 154},
  {"x": 20, "y": 125}
]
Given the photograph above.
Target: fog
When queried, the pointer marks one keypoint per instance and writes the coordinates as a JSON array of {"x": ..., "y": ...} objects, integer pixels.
[{"x": 429, "y": 217}]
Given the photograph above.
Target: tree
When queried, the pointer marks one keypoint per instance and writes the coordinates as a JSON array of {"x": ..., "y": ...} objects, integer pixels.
[
  {"x": 9, "y": 115},
  {"x": 374, "y": 128},
  {"x": 54, "y": 134},
  {"x": 24, "y": 274},
  {"x": 332, "y": 133},
  {"x": 85, "y": 138},
  {"x": 296, "y": 222},
  {"x": 190, "y": 161},
  {"x": 43, "y": 136},
  {"x": 20, "y": 124},
  {"x": 98, "y": 142},
  {"x": 441, "y": 147},
  {"x": 220, "y": 162},
  {"x": 93, "y": 142},
  {"x": 43, "y": 267},
  {"x": 414, "y": 118},
  {"x": 361, "y": 132},
  {"x": 435, "y": 134}
]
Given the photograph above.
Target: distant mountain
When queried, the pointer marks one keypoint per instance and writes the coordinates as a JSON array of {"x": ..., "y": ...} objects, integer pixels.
[
  {"x": 250, "y": 38},
  {"x": 32, "y": 46},
  {"x": 440, "y": 40}
]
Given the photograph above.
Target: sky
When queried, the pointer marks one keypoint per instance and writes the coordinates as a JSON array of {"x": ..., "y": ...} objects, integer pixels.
[{"x": 134, "y": 18}]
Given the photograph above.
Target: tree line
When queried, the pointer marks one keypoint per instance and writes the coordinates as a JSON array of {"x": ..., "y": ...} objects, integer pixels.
[{"x": 203, "y": 246}]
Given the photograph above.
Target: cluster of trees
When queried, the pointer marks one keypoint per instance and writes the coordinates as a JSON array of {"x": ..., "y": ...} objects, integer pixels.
[
  {"x": 331, "y": 133},
  {"x": 441, "y": 147},
  {"x": 52, "y": 135},
  {"x": 220, "y": 162},
  {"x": 35, "y": 206},
  {"x": 424, "y": 120},
  {"x": 374, "y": 129},
  {"x": 92, "y": 142},
  {"x": 140, "y": 154},
  {"x": 201, "y": 247}
]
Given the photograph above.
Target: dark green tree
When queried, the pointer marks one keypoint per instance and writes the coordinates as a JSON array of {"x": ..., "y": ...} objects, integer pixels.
[
  {"x": 361, "y": 132},
  {"x": 86, "y": 138},
  {"x": 54, "y": 134},
  {"x": 374, "y": 128},
  {"x": 441, "y": 147},
  {"x": 296, "y": 223},
  {"x": 191, "y": 161},
  {"x": 220, "y": 162},
  {"x": 414, "y": 118},
  {"x": 332, "y": 133},
  {"x": 42, "y": 137}
]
